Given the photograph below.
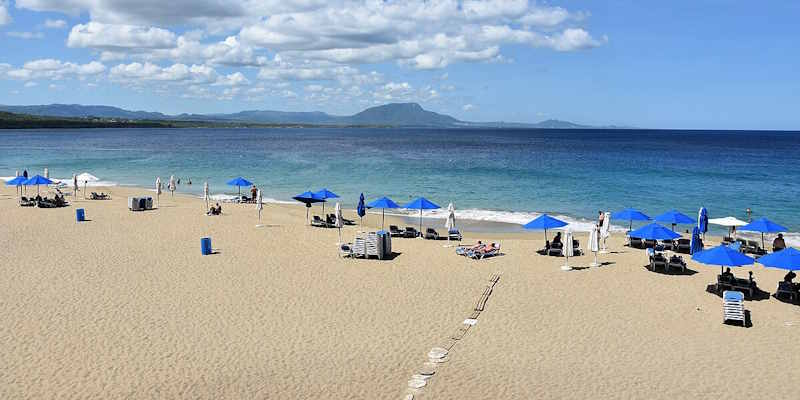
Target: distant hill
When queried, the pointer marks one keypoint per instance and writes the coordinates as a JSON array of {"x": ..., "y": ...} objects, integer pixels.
[{"x": 394, "y": 114}]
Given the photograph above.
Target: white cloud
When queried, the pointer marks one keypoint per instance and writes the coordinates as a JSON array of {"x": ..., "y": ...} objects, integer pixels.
[
  {"x": 105, "y": 36},
  {"x": 49, "y": 68},
  {"x": 55, "y": 23},
  {"x": 30, "y": 84},
  {"x": 5, "y": 17},
  {"x": 468, "y": 107},
  {"x": 25, "y": 35}
]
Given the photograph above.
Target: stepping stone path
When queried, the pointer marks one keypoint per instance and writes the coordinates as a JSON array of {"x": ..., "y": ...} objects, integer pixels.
[{"x": 439, "y": 355}]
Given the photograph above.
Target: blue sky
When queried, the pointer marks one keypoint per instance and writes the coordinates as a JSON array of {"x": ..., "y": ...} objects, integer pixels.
[{"x": 677, "y": 64}]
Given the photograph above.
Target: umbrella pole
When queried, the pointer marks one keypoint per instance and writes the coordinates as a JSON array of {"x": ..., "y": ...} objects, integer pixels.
[
  {"x": 383, "y": 217},
  {"x": 762, "y": 240},
  {"x": 420, "y": 221}
]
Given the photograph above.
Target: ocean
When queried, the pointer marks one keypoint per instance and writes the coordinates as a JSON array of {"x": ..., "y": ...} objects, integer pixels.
[{"x": 500, "y": 175}]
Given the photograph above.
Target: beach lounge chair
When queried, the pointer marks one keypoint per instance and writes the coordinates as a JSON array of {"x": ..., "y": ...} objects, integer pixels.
[
  {"x": 345, "y": 250},
  {"x": 727, "y": 239},
  {"x": 410, "y": 232},
  {"x": 683, "y": 246},
  {"x": 492, "y": 249},
  {"x": 454, "y": 234},
  {"x": 576, "y": 247},
  {"x": 359, "y": 248},
  {"x": 101, "y": 196},
  {"x": 668, "y": 245},
  {"x": 735, "y": 284},
  {"x": 733, "y": 306},
  {"x": 658, "y": 260},
  {"x": 637, "y": 243},
  {"x": 677, "y": 262},
  {"x": 742, "y": 245},
  {"x": 787, "y": 288},
  {"x": 464, "y": 250},
  {"x": 650, "y": 244},
  {"x": 556, "y": 250},
  {"x": 395, "y": 231},
  {"x": 26, "y": 202},
  {"x": 754, "y": 248},
  {"x": 431, "y": 233},
  {"x": 318, "y": 222}
]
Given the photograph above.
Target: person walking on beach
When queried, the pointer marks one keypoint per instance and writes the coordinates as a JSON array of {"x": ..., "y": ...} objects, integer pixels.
[{"x": 253, "y": 193}]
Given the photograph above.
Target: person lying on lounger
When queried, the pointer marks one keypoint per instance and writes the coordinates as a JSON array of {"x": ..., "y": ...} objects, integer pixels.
[{"x": 215, "y": 210}]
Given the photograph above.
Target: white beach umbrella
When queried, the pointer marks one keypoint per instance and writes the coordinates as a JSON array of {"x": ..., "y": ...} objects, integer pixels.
[
  {"x": 594, "y": 243},
  {"x": 259, "y": 203},
  {"x": 568, "y": 251},
  {"x": 730, "y": 222},
  {"x": 86, "y": 177},
  {"x": 451, "y": 220},
  {"x": 46, "y": 173},
  {"x": 339, "y": 223},
  {"x": 206, "y": 194},
  {"x": 605, "y": 231},
  {"x": 158, "y": 191},
  {"x": 171, "y": 186}
]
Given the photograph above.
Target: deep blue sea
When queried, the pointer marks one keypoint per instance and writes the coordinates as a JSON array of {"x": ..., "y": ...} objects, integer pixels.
[{"x": 507, "y": 175}]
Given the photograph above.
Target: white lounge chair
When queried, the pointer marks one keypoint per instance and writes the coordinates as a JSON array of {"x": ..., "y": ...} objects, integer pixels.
[{"x": 733, "y": 306}]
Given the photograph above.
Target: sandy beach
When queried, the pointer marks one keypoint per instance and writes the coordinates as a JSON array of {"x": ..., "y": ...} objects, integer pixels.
[{"x": 124, "y": 306}]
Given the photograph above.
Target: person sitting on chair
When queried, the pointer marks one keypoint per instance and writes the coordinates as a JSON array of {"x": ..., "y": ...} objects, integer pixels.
[
  {"x": 557, "y": 241},
  {"x": 750, "y": 278},
  {"x": 727, "y": 276},
  {"x": 789, "y": 277},
  {"x": 778, "y": 244}
]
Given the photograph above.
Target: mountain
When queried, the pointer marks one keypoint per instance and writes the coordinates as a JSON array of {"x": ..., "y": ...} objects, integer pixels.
[{"x": 394, "y": 114}]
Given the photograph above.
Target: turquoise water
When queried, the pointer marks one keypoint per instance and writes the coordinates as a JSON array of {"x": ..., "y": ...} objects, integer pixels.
[{"x": 500, "y": 175}]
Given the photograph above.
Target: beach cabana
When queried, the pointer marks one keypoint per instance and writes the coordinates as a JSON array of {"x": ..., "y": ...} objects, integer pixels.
[
  {"x": 674, "y": 217},
  {"x": 239, "y": 182},
  {"x": 630, "y": 215},
  {"x": 763, "y": 225},
  {"x": 308, "y": 198},
  {"x": 383, "y": 203},
  {"x": 37, "y": 180},
  {"x": 325, "y": 194},
  {"x": 421, "y": 203},
  {"x": 544, "y": 222}
]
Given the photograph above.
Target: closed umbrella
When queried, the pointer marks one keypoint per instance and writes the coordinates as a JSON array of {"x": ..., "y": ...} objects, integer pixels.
[
  {"x": 544, "y": 222},
  {"x": 47, "y": 173},
  {"x": 594, "y": 244},
  {"x": 383, "y": 203},
  {"x": 171, "y": 185},
  {"x": 605, "y": 231},
  {"x": 37, "y": 180},
  {"x": 763, "y": 225},
  {"x": 421, "y": 203},
  {"x": 338, "y": 213},
  {"x": 326, "y": 194},
  {"x": 74, "y": 186},
  {"x": 568, "y": 249},
  {"x": 696, "y": 245},
  {"x": 259, "y": 204},
  {"x": 702, "y": 221},
  {"x": 631, "y": 215},
  {"x": 158, "y": 191},
  {"x": 361, "y": 209},
  {"x": 450, "y": 224},
  {"x": 206, "y": 194}
]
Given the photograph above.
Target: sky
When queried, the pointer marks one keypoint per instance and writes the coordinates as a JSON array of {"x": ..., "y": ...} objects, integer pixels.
[{"x": 686, "y": 64}]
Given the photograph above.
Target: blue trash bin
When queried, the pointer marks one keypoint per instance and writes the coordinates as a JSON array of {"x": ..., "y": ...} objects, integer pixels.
[
  {"x": 80, "y": 215},
  {"x": 205, "y": 246}
]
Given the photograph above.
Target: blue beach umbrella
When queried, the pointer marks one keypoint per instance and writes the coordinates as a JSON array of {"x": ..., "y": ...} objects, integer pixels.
[
  {"x": 307, "y": 198},
  {"x": 239, "y": 182},
  {"x": 788, "y": 258},
  {"x": 723, "y": 256},
  {"x": 326, "y": 194},
  {"x": 383, "y": 203},
  {"x": 702, "y": 220},
  {"x": 763, "y": 225},
  {"x": 631, "y": 215},
  {"x": 695, "y": 246},
  {"x": 37, "y": 180},
  {"x": 421, "y": 203},
  {"x": 654, "y": 231},
  {"x": 674, "y": 217},
  {"x": 361, "y": 210},
  {"x": 545, "y": 222}
]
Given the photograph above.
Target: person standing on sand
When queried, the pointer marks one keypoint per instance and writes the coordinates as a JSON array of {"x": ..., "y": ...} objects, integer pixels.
[
  {"x": 600, "y": 219},
  {"x": 253, "y": 193},
  {"x": 25, "y": 173}
]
